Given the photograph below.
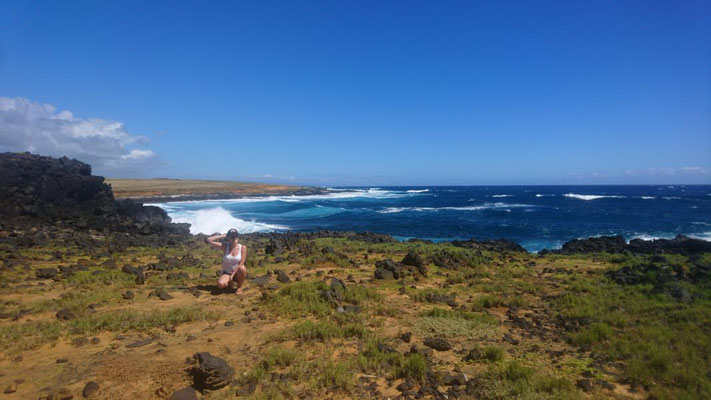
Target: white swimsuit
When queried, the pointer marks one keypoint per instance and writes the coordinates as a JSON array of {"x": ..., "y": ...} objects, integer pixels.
[{"x": 230, "y": 262}]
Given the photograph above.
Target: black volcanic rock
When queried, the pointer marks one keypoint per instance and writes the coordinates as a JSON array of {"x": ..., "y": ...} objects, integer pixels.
[
  {"x": 42, "y": 194},
  {"x": 617, "y": 244},
  {"x": 495, "y": 245},
  {"x": 211, "y": 373}
]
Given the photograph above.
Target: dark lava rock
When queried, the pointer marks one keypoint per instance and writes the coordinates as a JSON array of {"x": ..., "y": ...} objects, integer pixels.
[
  {"x": 441, "y": 298},
  {"x": 584, "y": 384},
  {"x": 90, "y": 389},
  {"x": 38, "y": 191},
  {"x": 261, "y": 280},
  {"x": 438, "y": 343},
  {"x": 406, "y": 337},
  {"x": 607, "y": 385},
  {"x": 65, "y": 314},
  {"x": 282, "y": 276},
  {"x": 163, "y": 294},
  {"x": 275, "y": 247},
  {"x": 46, "y": 273},
  {"x": 382, "y": 273},
  {"x": 186, "y": 393},
  {"x": 128, "y": 295},
  {"x": 474, "y": 355},
  {"x": 616, "y": 244},
  {"x": 413, "y": 259},
  {"x": 62, "y": 360},
  {"x": 247, "y": 390},
  {"x": 138, "y": 272},
  {"x": 11, "y": 388},
  {"x": 140, "y": 343},
  {"x": 95, "y": 340},
  {"x": 211, "y": 373},
  {"x": 454, "y": 379},
  {"x": 338, "y": 285},
  {"x": 496, "y": 245}
]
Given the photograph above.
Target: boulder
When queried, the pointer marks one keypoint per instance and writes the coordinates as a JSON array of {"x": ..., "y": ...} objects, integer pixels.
[
  {"x": 186, "y": 393},
  {"x": 211, "y": 373},
  {"x": 46, "y": 273},
  {"x": 437, "y": 343}
]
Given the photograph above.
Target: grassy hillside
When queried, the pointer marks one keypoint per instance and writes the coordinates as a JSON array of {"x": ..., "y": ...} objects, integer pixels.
[{"x": 467, "y": 323}]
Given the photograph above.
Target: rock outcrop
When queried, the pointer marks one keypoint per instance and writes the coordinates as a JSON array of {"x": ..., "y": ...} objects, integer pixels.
[
  {"x": 617, "y": 244},
  {"x": 42, "y": 196}
]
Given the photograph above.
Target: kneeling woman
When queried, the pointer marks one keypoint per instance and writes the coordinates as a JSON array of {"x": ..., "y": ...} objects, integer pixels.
[{"x": 234, "y": 256}]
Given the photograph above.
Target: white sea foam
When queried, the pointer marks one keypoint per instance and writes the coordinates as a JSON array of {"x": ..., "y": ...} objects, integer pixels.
[
  {"x": 671, "y": 198},
  {"x": 375, "y": 193},
  {"x": 218, "y": 219},
  {"x": 703, "y": 236},
  {"x": 418, "y": 190},
  {"x": 590, "y": 196},
  {"x": 502, "y": 195},
  {"x": 487, "y": 206},
  {"x": 648, "y": 197},
  {"x": 544, "y": 195}
]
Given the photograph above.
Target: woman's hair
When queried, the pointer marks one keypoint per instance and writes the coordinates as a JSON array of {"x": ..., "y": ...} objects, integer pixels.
[{"x": 232, "y": 233}]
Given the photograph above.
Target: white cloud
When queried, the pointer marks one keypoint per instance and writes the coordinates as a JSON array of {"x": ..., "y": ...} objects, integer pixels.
[{"x": 105, "y": 145}]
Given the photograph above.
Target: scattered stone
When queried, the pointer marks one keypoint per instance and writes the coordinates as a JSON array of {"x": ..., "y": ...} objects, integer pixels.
[
  {"x": 80, "y": 341},
  {"x": 190, "y": 338},
  {"x": 11, "y": 388},
  {"x": 95, "y": 340},
  {"x": 584, "y": 384},
  {"x": 162, "y": 294},
  {"x": 406, "y": 337},
  {"x": 140, "y": 343},
  {"x": 229, "y": 323},
  {"x": 65, "y": 314},
  {"x": 454, "y": 379},
  {"x": 261, "y": 281},
  {"x": 437, "y": 343},
  {"x": 211, "y": 373},
  {"x": 186, "y": 393},
  {"x": 128, "y": 295},
  {"x": 247, "y": 390},
  {"x": 46, "y": 273},
  {"x": 138, "y": 272},
  {"x": 403, "y": 387},
  {"x": 90, "y": 389},
  {"x": 282, "y": 276},
  {"x": 62, "y": 360},
  {"x": 607, "y": 385}
]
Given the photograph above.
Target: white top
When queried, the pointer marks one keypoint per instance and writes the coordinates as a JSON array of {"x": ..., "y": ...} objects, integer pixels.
[{"x": 230, "y": 262}]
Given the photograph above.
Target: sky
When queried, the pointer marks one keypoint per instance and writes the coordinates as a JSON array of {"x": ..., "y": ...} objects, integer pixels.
[{"x": 363, "y": 92}]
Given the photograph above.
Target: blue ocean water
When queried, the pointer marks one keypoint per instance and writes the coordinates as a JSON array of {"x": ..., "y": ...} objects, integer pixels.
[{"x": 536, "y": 217}]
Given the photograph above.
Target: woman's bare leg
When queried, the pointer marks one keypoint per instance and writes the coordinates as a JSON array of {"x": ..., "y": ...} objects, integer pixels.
[{"x": 240, "y": 276}]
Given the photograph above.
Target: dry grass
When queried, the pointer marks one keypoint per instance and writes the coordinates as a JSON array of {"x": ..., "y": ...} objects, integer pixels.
[{"x": 183, "y": 187}]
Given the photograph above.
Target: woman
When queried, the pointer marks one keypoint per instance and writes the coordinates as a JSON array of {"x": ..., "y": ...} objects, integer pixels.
[{"x": 234, "y": 256}]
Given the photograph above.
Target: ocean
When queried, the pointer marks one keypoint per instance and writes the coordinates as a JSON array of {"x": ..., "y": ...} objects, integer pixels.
[{"x": 536, "y": 217}]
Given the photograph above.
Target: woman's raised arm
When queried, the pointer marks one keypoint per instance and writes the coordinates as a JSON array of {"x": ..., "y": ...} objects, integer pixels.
[{"x": 215, "y": 241}]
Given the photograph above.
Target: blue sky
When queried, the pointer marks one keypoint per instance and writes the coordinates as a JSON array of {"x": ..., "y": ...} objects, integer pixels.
[{"x": 363, "y": 93}]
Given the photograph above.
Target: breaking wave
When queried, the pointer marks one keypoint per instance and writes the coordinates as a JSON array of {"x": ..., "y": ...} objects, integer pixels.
[
  {"x": 487, "y": 206},
  {"x": 218, "y": 219}
]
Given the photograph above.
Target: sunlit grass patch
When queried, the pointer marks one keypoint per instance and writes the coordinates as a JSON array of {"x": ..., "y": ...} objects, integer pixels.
[
  {"x": 300, "y": 298},
  {"x": 126, "y": 320},
  {"x": 455, "y": 323},
  {"x": 29, "y": 335}
]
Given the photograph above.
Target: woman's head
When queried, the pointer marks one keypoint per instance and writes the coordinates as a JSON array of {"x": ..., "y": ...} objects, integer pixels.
[{"x": 232, "y": 235}]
